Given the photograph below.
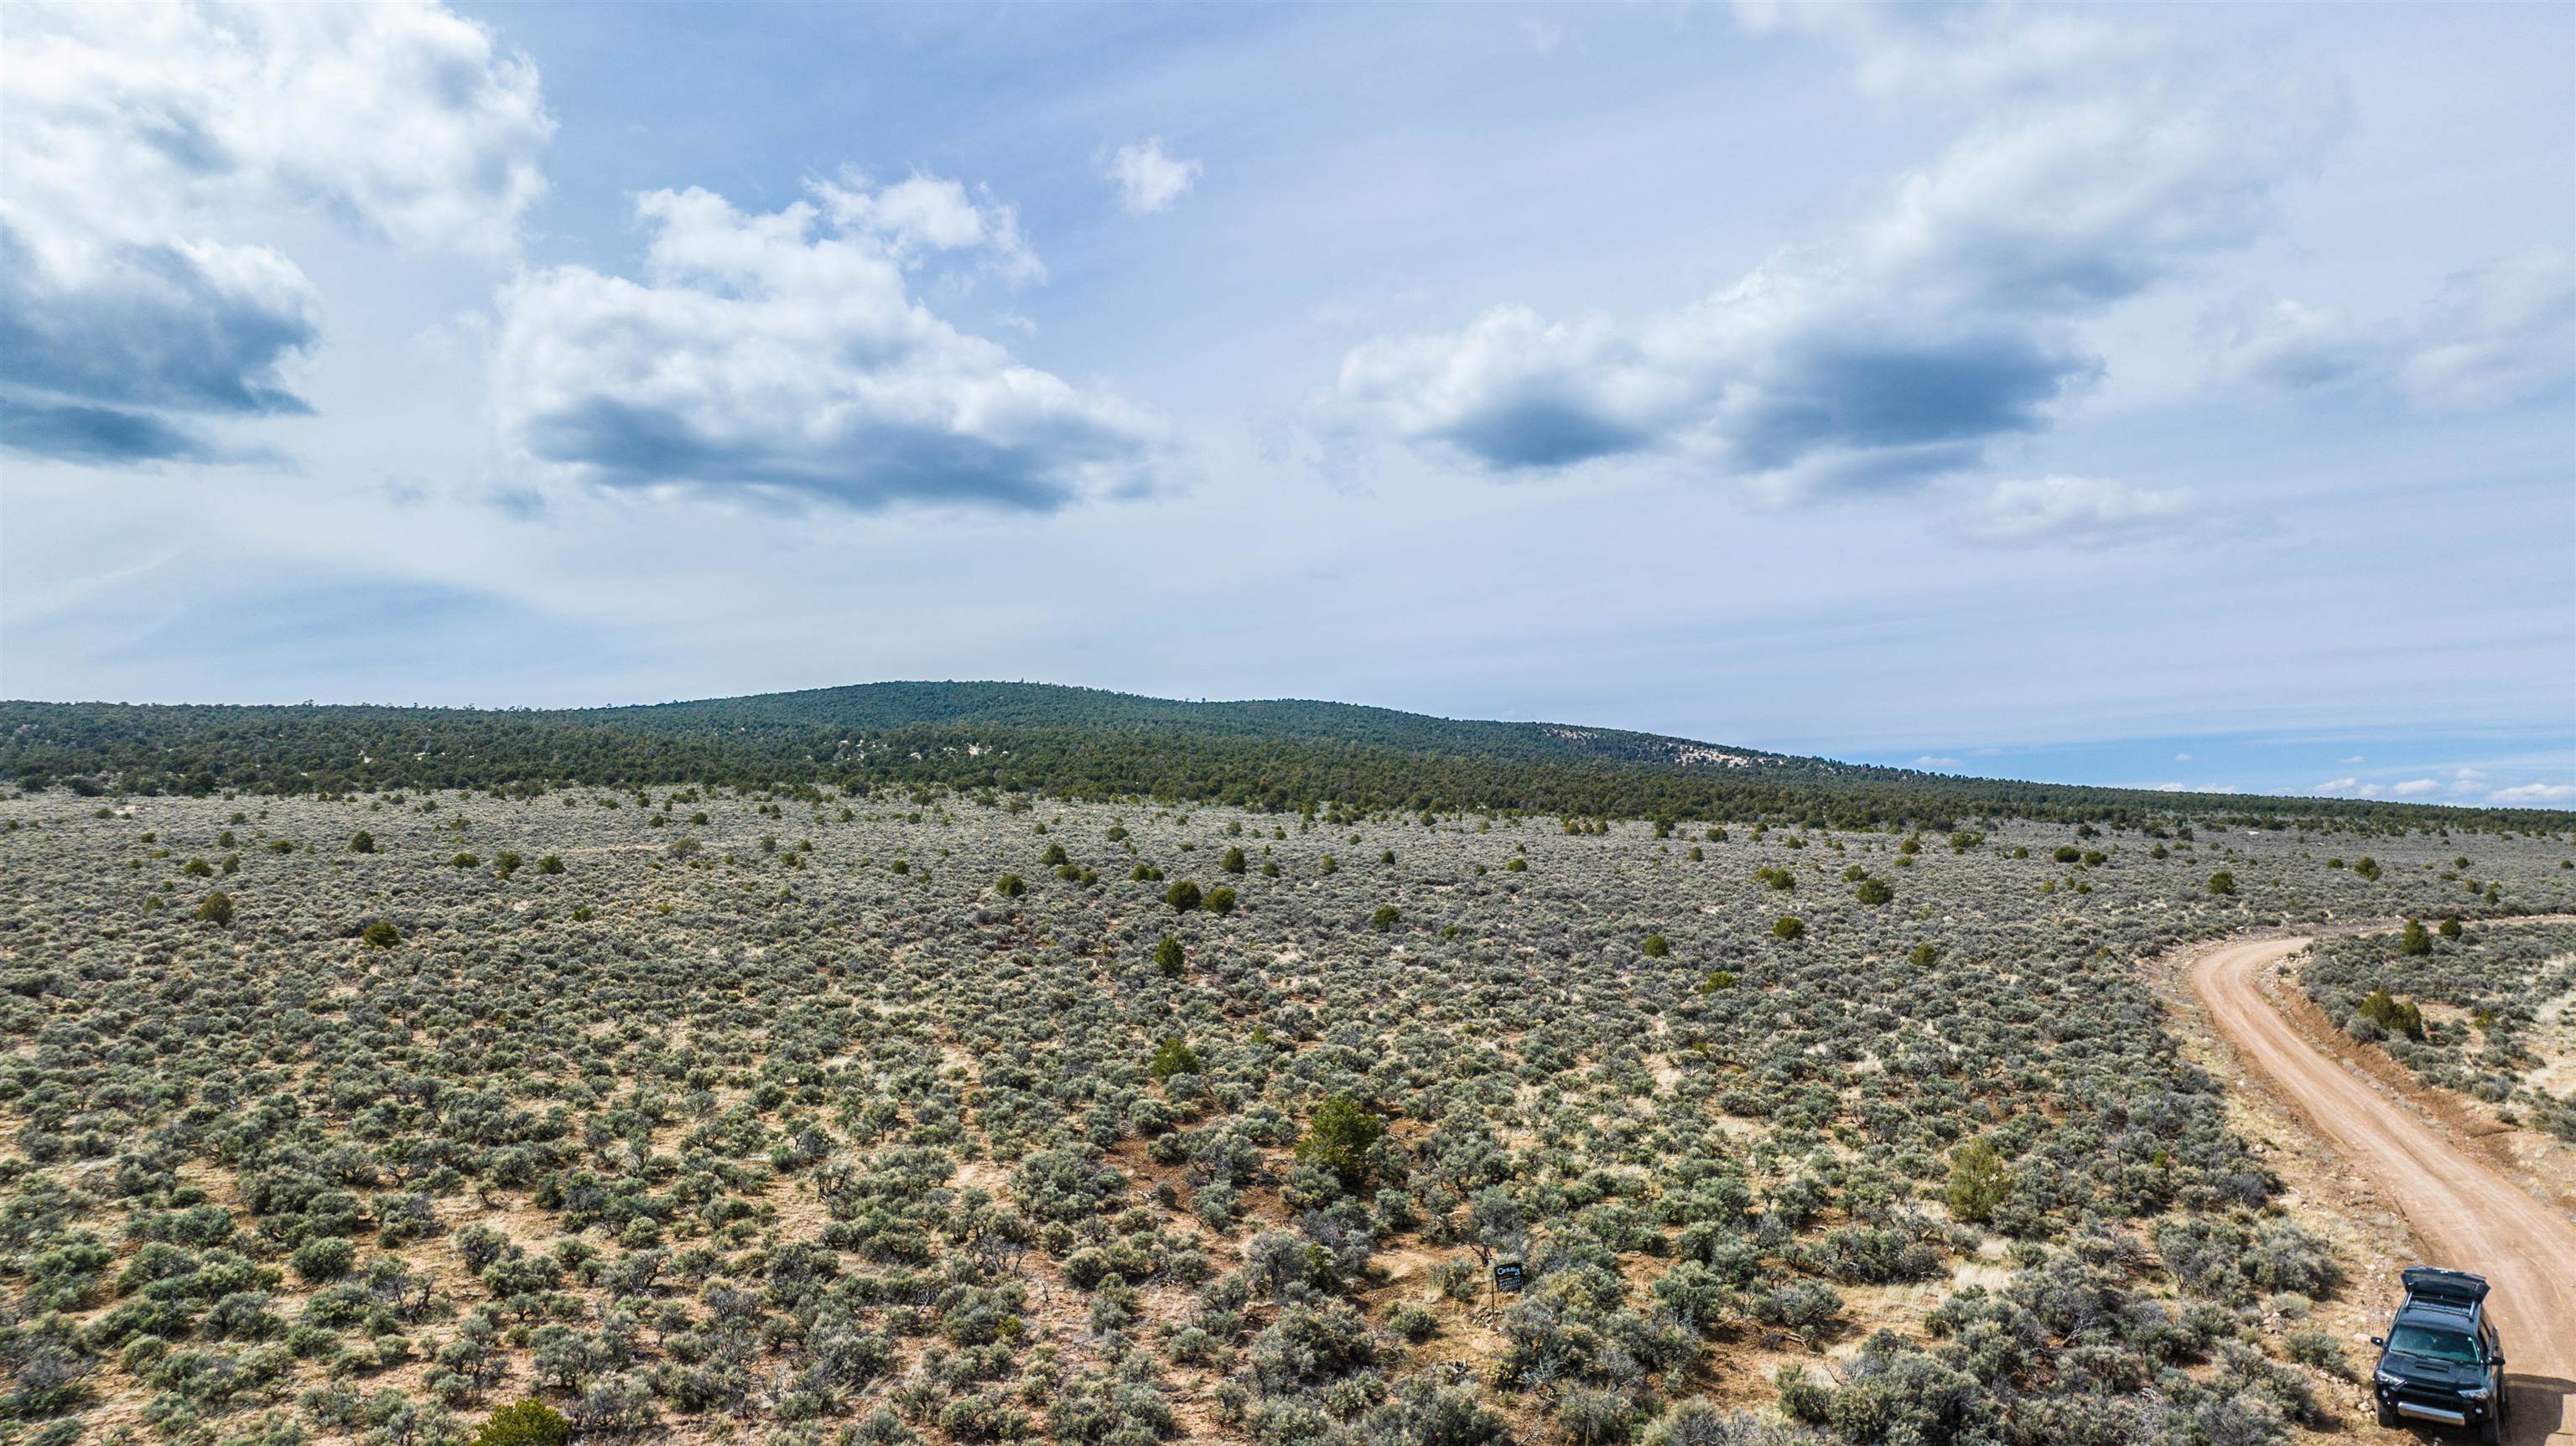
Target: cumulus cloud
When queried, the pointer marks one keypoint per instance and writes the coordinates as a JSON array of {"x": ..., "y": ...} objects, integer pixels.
[
  {"x": 929, "y": 213},
  {"x": 784, "y": 354},
  {"x": 1930, "y": 762},
  {"x": 1944, "y": 320},
  {"x": 2530, "y": 794},
  {"x": 144, "y": 139},
  {"x": 1149, "y": 178},
  {"x": 2087, "y": 512},
  {"x": 2414, "y": 787}
]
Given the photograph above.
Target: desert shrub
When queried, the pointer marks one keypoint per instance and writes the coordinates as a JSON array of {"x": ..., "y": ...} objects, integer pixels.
[
  {"x": 1339, "y": 1138},
  {"x": 1980, "y": 1178},
  {"x": 529, "y": 1422}
]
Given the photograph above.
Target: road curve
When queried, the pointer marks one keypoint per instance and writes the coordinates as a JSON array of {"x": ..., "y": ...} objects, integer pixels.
[{"x": 2464, "y": 1214}]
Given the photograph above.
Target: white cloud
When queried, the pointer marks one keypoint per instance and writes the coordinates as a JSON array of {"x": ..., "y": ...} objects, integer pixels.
[
  {"x": 1942, "y": 322},
  {"x": 1930, "y": 762},
  {"x": 2182, "y": 758},
  {"x": 2195, "y": 788},
  {"x": 2494, "y": 335},
  {"x": 931, "y": 213},
  {"x": 2414, "y": 787},
  {"x": 2528, "y": 794},
  {"x": 1149, "y": 178},
  {"x": 783, "y": 354},
  {"x": 150, "y": 151},
  {"x": 2283, "y": 346},
  {"x": 2502, "y": 332},
  {"x": 2087, "y": 512}
]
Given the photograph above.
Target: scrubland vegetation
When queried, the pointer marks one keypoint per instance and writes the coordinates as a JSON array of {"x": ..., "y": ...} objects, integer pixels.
[
  {"x": 806, "y": 1116},
  {"x": 2498, "y": 1025}
]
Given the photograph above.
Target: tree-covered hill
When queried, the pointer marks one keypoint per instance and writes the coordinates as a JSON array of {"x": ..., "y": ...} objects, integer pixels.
[{"x": 1075, "y": 742}]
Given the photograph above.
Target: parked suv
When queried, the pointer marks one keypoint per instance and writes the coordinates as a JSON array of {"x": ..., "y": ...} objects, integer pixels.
[{"x": 2441, "y": 1360}]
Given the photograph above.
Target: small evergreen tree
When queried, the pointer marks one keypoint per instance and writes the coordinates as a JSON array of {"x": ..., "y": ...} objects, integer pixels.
[
  {"x": 1174, "y": 1056},
  {"x": 1338, "y": 1139},
  {"x": 1657, "y": 946},
  {"x": 217, "y": 909},
  {"x": 1183, "y": 896},
  {"x": 1385, "y": 917},
  {"x": 2414, "y": 941},
  {"x": 362, "y": 842},
  {"x": 2222, "y": 883},
  {"x": 1169, "y": 957},
  {"x": 1232, "y": 862},
  {"x": 1789, "y": 926},
  {"x": 1979, "y": 1180}
]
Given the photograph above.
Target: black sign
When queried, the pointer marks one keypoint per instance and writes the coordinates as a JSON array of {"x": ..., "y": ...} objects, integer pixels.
[{"x": 1507, "y": 1276}]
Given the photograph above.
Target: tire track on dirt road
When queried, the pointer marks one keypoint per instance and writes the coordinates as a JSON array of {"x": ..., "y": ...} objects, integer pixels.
[{"x": 2463, "y": 1212}]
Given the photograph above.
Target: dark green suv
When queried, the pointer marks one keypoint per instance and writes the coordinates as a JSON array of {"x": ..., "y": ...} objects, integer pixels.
[{"x": 2441, "y": 1361}]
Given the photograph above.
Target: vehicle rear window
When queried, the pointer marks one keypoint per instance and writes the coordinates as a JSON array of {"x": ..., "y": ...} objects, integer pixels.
[{"x": 2438, "y": 1345}]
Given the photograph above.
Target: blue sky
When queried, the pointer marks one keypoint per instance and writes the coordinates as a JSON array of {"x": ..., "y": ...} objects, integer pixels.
[{"x": 2144, "y": 395}]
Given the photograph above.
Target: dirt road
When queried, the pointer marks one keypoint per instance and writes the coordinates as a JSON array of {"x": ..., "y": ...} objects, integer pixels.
[{"x": 2464, "y": 1214}]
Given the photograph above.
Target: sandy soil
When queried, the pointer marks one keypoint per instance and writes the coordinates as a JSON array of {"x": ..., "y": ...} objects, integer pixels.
[{"x": 2462, "y": 1210}]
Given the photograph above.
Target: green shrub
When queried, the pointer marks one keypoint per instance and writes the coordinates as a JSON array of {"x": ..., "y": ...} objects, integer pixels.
[
  {"x": 1385, "y": 917},
  {"x": 1657, "y": 947},
  {"x": 217, "y": 909},
  {"x": 1980, "y": 1178},
  {"x": 1173, "y": 1056},
  {"x": 1338, "y": 1139},
  {"x": 1874, "y": 892},
  {"x": 1182, "y": 896},
  {"x": 1010, "y": 886},
  {"x": 2414, "y": 941},
  {"x": 328, "y": 1258},
  {"x": 1170, "y": 958},
  {"x": 382, "y": 934},
  {"x": 1788, "y": 926},
  {"x": 523, "y": 1423},
  {"x": 2393, "y": 1014},
  {"x": 362, "y": 842}
]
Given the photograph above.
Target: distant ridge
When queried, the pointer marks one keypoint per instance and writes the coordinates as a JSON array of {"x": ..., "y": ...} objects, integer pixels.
[{"x": 1279, "y": 754}]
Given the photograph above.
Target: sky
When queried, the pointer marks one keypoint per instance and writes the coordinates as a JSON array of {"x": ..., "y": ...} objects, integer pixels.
[{"x": 2169, "y": 396}]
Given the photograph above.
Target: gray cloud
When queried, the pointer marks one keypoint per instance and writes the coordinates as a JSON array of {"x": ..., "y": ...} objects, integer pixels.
[
  {"x": 784, "y": 355},
  {"x": 187, "y": 327},
  {"x": 1941, "y": 322},
  {"x": 2494, "y": 335},
  {"x": 143, "y": 142},
  {"x": 100, "y": 436}
]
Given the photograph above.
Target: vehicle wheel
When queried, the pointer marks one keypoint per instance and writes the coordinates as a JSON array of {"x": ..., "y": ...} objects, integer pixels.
[
  {"x": 2492, "y": 1433},
  {"x": 2387, "y": 1416}
]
